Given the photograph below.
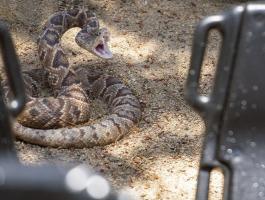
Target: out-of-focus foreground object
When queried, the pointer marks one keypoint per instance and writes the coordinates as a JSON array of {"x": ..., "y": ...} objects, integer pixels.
[{"x": 234, "y": 111}]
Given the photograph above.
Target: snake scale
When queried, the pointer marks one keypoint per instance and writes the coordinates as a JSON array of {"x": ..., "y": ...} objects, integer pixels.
[{"x": 52, "y": 121}]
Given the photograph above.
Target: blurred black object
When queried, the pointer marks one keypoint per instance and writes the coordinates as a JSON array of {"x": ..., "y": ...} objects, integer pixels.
[
  {"x": 42, "y": 182},
  {"x": 234, "y": 112},
  {"x": 12, "y": 69}
]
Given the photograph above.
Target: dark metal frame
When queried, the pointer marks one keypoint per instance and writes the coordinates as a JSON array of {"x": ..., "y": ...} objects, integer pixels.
[
  {"x": 16, "y": 180},
  {"x": 234, "y": 112}
]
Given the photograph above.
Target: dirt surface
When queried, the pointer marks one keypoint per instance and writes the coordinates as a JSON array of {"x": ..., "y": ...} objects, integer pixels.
[{"x": 151, "y": 42}]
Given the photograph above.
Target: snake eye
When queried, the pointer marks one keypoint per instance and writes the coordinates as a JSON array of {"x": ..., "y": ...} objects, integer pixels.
[{"x": 98, "y": 33}]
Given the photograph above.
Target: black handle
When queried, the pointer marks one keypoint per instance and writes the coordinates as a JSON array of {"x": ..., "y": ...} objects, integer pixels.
[
  {"x": 212, "y": 107},
  {"x": 200, "y": 102}
]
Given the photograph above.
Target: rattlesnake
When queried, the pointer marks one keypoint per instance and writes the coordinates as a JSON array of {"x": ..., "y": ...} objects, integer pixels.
[{"x": 45, "y": 120}]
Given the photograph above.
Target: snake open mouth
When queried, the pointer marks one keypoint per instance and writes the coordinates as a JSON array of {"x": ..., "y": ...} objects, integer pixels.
[{"x": 103, "y": 51}]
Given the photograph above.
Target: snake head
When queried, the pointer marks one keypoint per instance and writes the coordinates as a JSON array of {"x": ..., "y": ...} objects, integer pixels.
[{"x": 95, "y": 41}]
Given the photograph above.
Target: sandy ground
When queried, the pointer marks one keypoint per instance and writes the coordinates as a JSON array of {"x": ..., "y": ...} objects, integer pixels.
[{"x": 151, "y": 45}]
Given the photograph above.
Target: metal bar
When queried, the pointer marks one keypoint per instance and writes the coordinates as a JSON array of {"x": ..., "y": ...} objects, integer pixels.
[
  {"x": 18, "y": 182},
  {"x": 12, "y": 69}
]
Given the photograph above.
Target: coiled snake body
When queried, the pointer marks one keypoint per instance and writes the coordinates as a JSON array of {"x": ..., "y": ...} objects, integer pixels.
[{"x": 45, "y": 119}]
